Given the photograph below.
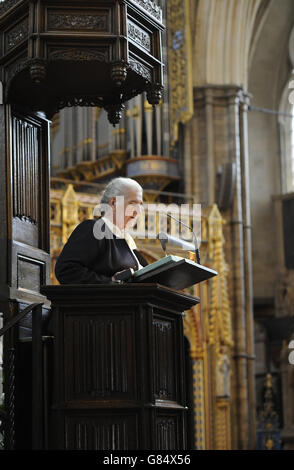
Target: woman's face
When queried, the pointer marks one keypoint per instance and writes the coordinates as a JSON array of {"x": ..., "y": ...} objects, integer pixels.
[{"x": 127, "y": 208}]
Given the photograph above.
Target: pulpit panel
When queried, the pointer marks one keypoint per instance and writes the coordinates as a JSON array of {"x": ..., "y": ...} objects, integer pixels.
[
  {"x": 99, "y": 357},
  {"x": 28, "y": 161},
  {"x": 102, "y": 431}
]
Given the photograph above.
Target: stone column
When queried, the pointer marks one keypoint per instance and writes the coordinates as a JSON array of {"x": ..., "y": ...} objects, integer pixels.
[{"x": 217, "y": 138}]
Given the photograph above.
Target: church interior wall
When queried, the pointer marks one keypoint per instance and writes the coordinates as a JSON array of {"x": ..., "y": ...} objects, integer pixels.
[{"x": 268, "y": 73}]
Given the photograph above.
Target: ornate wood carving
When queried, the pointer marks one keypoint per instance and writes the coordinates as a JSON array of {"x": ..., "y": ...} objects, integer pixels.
[
  {"x": 137, "y": 34},
  {"x": 114, "y": 112},
  {"x": 7, "y": 4},
  {"x": 165, "y": 376},
  {"x": 79, "y": 54},
  {"x": 119, "y": 72},
  {"x": 17, "y": 34},
  {"x": 68, "y": 101},
  {"x": 63, "y": 39},
  {"x": 140, "y": 69},
  {"x": 150, "y": 7},
  {"x": 38, "y": 70},
  {"x": 154, "y": 93},
  {"x": 25, "y": 169},
  {"x": 82, "y": 21}
]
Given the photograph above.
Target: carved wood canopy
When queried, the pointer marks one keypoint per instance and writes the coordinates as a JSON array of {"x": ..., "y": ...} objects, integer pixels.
[{"x": 80, "y": 52}]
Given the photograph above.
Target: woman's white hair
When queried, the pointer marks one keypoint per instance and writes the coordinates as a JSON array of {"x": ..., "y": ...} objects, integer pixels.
[{"x": 116, "y": 187}]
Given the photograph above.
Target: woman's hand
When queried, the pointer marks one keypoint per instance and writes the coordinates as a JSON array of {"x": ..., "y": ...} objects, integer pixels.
[
  {"x": 126, "y": 275},
  {"x": 113, "y": 277}
]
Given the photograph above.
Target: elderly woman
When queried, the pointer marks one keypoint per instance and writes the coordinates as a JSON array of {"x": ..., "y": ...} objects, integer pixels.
[{"x": 99, "y": 248}]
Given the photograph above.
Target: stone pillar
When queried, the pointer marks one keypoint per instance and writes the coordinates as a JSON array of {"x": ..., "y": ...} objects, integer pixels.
[{"x": 217, "y": 140}]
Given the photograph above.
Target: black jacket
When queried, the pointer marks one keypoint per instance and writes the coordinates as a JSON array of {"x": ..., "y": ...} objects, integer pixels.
[{"x": 85, "y": 259}]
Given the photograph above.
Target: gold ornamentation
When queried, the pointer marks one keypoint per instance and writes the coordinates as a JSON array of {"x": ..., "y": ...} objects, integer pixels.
[
  {"x": 199, "y": 404},
  {"x": 209, "y": 331},
  {"x": 220, "y": 326},
  {"x": 147, "y": 106},
  {"x": 136, "y": 112},
  {"x": 180, "y": 65},
  {"x": 223, "y": 425},
  {"x": 92, "y": 171},
  {"x": 69, "y": 212}
]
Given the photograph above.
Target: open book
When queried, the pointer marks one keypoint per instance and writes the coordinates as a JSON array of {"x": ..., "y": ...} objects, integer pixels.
[{"x": 174, "y": 271}]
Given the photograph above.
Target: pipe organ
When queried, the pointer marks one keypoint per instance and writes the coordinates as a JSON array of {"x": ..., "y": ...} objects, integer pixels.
[{"x": 85, "y": 146}]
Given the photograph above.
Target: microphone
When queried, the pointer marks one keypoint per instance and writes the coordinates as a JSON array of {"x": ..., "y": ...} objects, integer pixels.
[
  {"x": 164, "y": 238},
  {"x": 197, "y": 252}
]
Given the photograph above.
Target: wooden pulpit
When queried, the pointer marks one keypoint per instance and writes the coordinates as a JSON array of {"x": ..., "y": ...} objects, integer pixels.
[{"x": 118, "y": 377}]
